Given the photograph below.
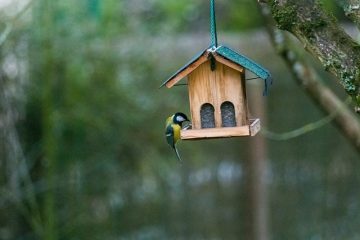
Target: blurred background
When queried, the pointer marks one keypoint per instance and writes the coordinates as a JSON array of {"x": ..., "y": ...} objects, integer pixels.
[{"x": 82, "y": 150}]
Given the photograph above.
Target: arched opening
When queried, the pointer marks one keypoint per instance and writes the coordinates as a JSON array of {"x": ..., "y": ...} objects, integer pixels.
[
  {"x": 207, "y": 116},
  {"x": 228, "y": 114}
]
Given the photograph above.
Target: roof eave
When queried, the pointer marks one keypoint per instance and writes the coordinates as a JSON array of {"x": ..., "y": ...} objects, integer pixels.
[{"x": 186, "y": 69}]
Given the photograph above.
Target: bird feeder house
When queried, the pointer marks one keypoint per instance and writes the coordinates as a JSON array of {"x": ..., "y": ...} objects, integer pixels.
[{"x": 217, "y": 91}]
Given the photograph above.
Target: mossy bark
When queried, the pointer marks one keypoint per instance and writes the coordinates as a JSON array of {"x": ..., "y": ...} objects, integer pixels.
[{"x": 323, "y": 38}]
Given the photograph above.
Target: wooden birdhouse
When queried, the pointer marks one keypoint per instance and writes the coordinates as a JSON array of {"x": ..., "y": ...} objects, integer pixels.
[{"x": 217, "y": 91}]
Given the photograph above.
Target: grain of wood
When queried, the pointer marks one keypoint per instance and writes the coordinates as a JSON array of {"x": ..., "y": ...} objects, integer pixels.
[{"x": 224, "y": 84}]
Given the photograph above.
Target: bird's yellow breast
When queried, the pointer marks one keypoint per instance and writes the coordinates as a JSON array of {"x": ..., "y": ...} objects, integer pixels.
[{"x": 177, "y": 129}]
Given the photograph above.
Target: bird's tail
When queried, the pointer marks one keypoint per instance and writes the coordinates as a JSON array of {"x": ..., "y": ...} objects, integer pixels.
[{"x": 177, "y": 154}]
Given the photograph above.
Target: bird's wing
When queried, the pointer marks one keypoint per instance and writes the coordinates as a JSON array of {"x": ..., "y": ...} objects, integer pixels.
[{"x": 169, "y": 133}]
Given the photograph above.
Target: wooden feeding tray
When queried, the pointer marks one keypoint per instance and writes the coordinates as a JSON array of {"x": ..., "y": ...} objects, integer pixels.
[{"x": 246, "y": 130}]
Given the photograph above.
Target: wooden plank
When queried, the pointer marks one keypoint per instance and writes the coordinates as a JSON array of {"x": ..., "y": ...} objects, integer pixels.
[
  {"x": 215, "y": 132},
  {"x": 247, "y": 130},
  {"x": 231, "y": 87},
  {"x": 187, "y": 71},
  {"x": 201, "y": 90},
  {"x": 255, "y": 126},
  {"x": 228, "y": 63}
]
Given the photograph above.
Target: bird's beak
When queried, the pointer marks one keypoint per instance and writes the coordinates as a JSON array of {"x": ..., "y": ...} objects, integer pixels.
[{"x": 187, "y": 125}]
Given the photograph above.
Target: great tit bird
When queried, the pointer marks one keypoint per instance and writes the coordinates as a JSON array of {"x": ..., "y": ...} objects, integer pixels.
[{"x": 172, "y": 130}]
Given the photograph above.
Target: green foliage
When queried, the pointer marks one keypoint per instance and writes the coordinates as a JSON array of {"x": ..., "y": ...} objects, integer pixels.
[
  {"x": 238, "y": 15},
  {"x": 333, "y": 7}
]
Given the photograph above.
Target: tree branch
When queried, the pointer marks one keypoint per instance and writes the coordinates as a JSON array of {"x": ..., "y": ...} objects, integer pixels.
[
  {"x": 323, "y": 38},
  {"x": 305, "y": 75},
  {"x": 351, "y": 10}
]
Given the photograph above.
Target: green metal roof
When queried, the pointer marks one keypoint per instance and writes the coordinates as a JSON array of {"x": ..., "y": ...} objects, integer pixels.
[
  {"x": 234, "y": 57},
  {"x": 247, "y": 63}
]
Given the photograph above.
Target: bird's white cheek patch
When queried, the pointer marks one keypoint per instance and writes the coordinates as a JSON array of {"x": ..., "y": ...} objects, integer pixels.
[{"x": 180, "y": 119}]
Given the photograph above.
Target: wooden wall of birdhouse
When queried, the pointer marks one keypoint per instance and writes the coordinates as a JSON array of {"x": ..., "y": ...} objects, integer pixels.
[{"x": 217, "y": 96}]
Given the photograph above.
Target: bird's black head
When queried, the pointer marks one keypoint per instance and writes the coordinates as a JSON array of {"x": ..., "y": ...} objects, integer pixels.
[{"x": 179, "y": 118}]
